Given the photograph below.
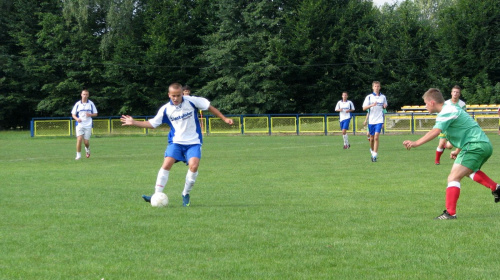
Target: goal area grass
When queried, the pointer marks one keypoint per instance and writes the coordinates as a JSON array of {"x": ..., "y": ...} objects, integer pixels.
[{"x": 263, "y": 207}]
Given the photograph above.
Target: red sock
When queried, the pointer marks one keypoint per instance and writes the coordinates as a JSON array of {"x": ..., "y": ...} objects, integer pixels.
[
  {"x": 484, "y": 180},
  {"x": 452, "y": 194},
  {"x": 438, "y": 155}
]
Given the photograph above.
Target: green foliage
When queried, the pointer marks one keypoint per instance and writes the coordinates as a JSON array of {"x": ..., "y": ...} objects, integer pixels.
[{"x": 248, "y": 57}]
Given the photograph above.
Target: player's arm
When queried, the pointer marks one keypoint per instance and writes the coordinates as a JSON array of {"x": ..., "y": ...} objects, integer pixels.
[
  {"x": 218, "y": 114},
  {"x": 337, "y": 107},
  {"x": 76, "y": 118},
  {"x": 368, "y": 106},
  {"x": 128, "y": 120},
  {"x": 426, "y": 138},
  {"x": 92, "y": 115}
]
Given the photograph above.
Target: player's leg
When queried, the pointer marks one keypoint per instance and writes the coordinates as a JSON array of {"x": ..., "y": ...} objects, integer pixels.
[
  {"x": 376, "y": 136},
  {"x": 344, "y": 137},
  {"x": 458, "y": 171},
  {"x": 467, "y": 160},
  {"x": 173, "y": 153},
  {"x": 193, "y": 154},
  {"x": 345, "y": 127},
  {"x": 440, "y": 148},
  {"x": 477, "y": 155},
  {"x": 86, "y": 141},
  {"x": 79, "y": 140},
  {"x": 371, "y": 133}
]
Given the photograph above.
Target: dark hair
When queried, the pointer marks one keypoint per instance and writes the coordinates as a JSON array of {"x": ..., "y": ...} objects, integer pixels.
[
  {"x": 186, "y": 87},
  {"x": 457, "y": 87}
]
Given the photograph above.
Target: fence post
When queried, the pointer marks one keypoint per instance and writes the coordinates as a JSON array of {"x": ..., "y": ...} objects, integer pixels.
[
  {"x": 242, "y": 126},
  {"x": 269, "y": 124}
]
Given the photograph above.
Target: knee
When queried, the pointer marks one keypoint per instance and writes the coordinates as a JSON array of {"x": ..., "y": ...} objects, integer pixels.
[{"x": 193, "y": 168}]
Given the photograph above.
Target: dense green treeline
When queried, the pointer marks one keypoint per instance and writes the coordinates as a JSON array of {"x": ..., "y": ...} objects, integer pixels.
[{"x": 248, "y": 57}]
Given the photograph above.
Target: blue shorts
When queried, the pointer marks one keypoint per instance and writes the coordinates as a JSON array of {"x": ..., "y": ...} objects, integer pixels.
[
  {"x": 345, "y": 124},
  {"x": 375, "y": 128},
  {"x": 183, "y": 152}
]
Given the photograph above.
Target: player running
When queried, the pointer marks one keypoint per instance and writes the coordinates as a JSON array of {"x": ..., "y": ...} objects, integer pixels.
[
  {"x": 376, "y": 102},
  {"x": 443, "y": 143},
  {"x": 473, "y": 148},
  {"x": 184, "y": 139},
  {"x": 345, "y": 107},
  {"x": 82, "y": 113}
]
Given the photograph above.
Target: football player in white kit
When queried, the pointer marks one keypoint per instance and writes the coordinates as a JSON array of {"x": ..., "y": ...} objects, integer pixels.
[
  {"x": 82, "y": 113},
  {"x": 376, "y": 102},
  {"x": 345, "y": 107},
  {"x": 185, "y": 137}
]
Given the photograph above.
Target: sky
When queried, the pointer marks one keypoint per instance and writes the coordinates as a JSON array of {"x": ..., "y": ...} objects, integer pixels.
[{"x": 382, "y": 2}]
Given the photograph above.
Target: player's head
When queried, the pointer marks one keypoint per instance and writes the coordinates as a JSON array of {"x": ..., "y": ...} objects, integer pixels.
[
  {"x": 175, "y": 93},
  {"x": 455, "y": 93},
  {"x": 85, "y": 95},
  {"x": 344, "y": 96},
  {"x": 186, "y": 90},
  {"x": 433, "y": 98},
  {"x": 376, "y": 86}
]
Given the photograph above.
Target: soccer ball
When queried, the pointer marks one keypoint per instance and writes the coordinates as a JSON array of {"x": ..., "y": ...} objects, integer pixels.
[{"x": 159, "y": 199}]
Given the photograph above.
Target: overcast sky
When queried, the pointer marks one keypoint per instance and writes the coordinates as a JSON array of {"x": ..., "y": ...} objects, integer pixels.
[{"x": 381, "y": 2}]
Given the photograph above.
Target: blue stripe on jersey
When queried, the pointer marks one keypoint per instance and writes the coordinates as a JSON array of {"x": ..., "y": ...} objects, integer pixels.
[
  {"x": 171, "y": 134},
  {"x": 197, "y": 122}
]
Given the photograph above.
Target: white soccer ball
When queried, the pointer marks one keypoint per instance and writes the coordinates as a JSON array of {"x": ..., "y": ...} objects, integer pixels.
[{"x": 159, "y": 199}]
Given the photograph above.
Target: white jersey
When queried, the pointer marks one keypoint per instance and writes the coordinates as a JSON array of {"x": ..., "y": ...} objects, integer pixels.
[
  {"x": 183, "y": 120},
  {"x": 81, "y": 109},
  {"x": 343, "y": 107},
  {"x": 460, "y": 104},
  {"x": 376, "y": 112}
]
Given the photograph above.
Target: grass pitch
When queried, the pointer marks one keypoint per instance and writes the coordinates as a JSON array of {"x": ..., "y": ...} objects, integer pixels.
[{"x": 278, "y": 207}]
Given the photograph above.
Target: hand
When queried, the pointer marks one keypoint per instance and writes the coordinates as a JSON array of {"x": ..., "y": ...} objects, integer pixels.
[
  {"x": 454, "y": 154},
  {"x": 408, "y": 144},
  {"x": 79, "y": 120},
  {"x": 88, "y": 114},
  {"x": 229, "y": 121},
  {"x": 127, "y": 120}
]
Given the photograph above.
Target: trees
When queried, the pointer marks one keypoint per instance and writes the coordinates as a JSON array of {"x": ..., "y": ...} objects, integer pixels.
[
  {"x": 249, "y": 57},
  {"x": 243, "y": 55},
  {"x": 467, "y": 40}
]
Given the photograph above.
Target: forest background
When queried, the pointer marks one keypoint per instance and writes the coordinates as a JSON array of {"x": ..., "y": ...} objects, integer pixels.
[{"x": 248, "y": 57}]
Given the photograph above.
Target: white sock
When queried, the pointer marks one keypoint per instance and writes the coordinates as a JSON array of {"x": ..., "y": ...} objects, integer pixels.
[
  {"x": 161, "y": 180},
  {"x": 78, "y": 154},
  {"x": 87, "y": 149},
  {"x": 190, "y": 179},
  {"x": 439, "y": 150},
  {"x": 375, "y": 154},
  {"x": 346, "y": 140}
]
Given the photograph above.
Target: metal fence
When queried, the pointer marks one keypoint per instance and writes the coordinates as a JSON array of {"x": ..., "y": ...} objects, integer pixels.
[{"x": 260, "y": 124}]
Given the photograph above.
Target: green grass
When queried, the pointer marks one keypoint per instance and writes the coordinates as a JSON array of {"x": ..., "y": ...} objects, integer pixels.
[{"x": 278, "y": 207}]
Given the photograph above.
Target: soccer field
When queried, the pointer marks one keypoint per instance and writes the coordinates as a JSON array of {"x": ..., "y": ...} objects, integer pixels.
[{"x": 263, "y": 207}]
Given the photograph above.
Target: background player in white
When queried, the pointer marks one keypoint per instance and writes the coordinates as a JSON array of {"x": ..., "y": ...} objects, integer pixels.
[
  {"x": 82, "y": 113},
  {"x": 185, "y": 137},
  {"x": 443, "y": 143},
  {"x": 186, "y": 90},
  {"x": 345, "y": 107},
  {"x": 376, "y": 102}
]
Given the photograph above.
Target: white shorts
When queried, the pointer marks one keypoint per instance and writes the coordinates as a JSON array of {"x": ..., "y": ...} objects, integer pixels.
[{"x": 85, "y": 131}]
